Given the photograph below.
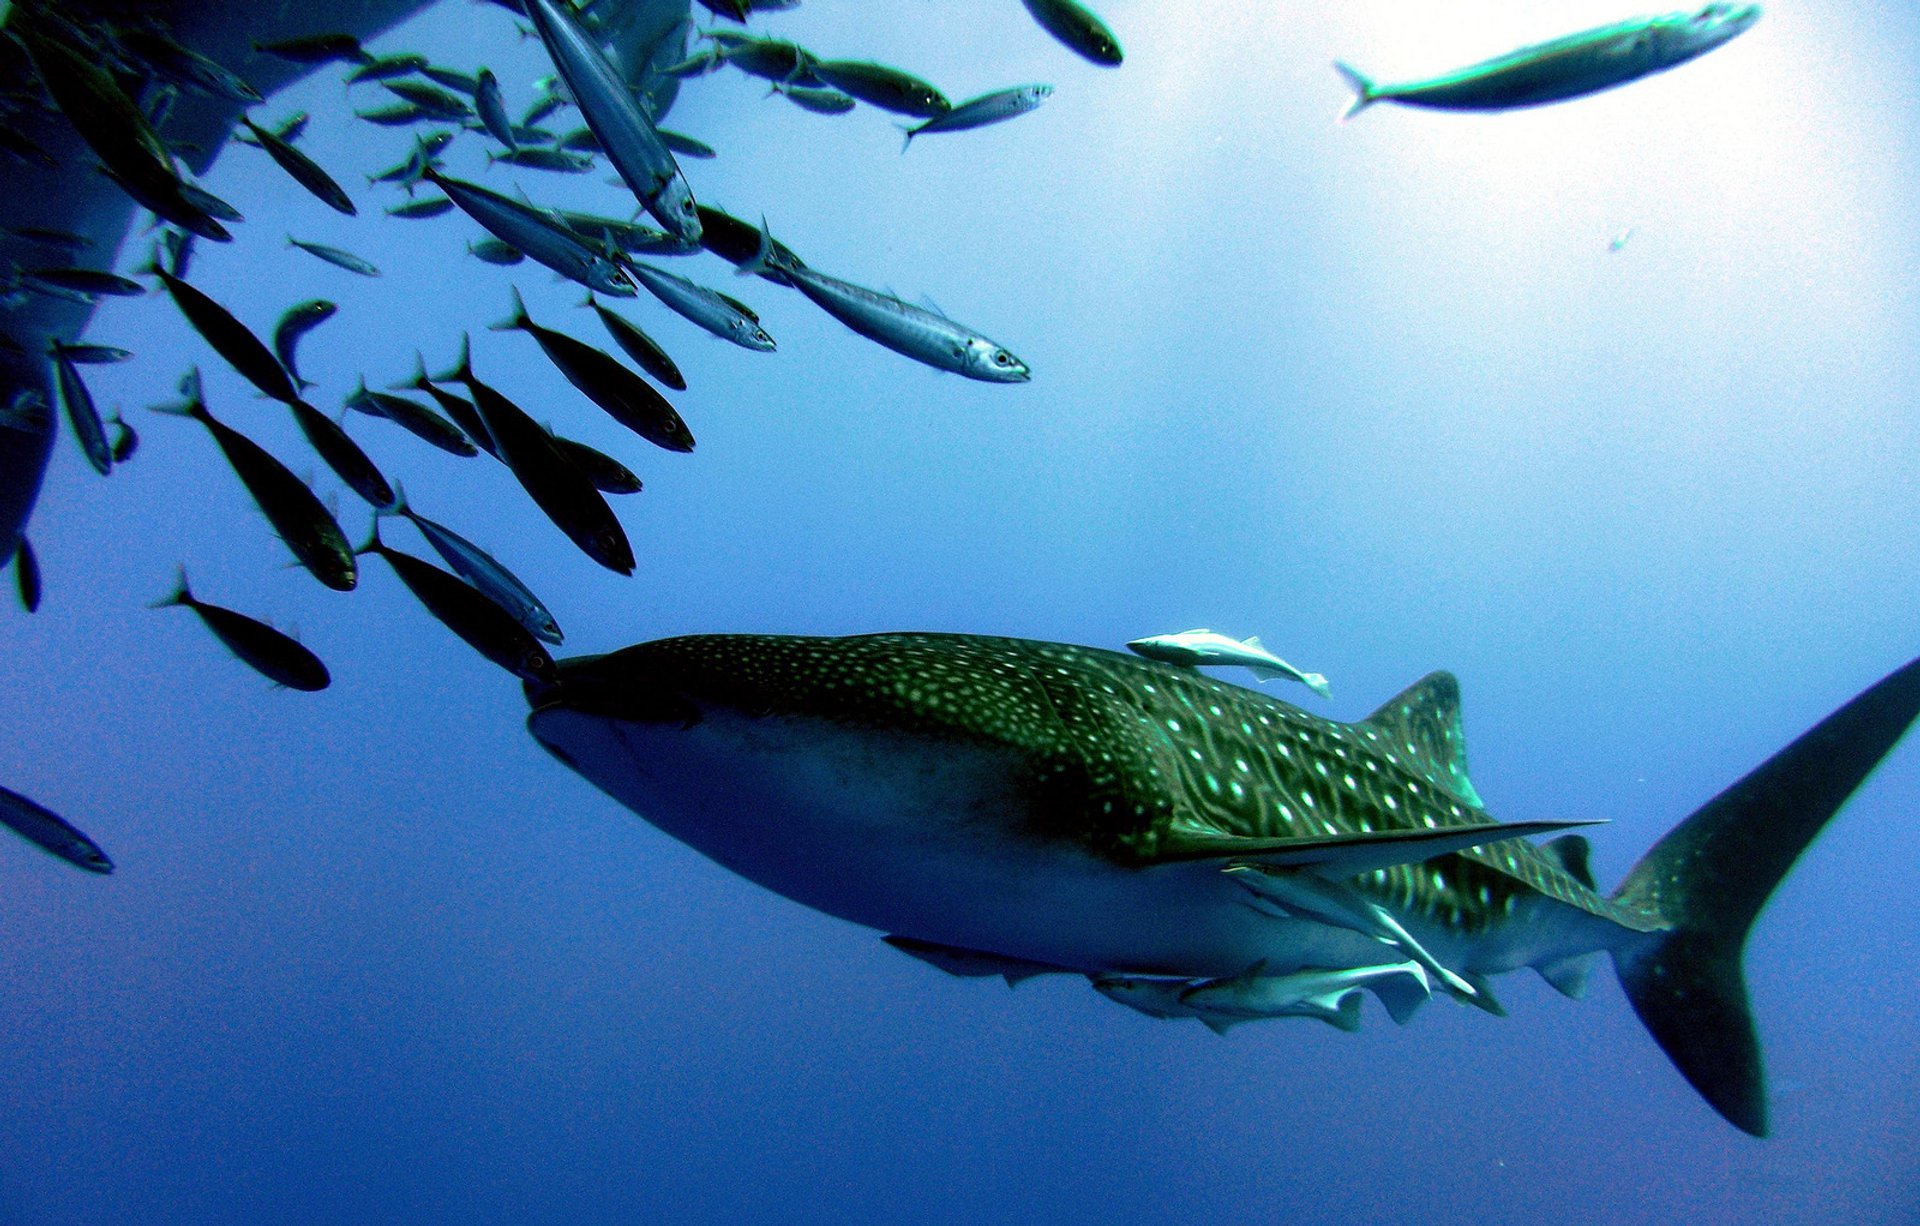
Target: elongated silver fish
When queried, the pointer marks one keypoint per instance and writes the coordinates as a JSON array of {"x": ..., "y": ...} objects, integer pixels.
[
  {"x": 711, "y": 309},
  {"x": 1196, "y": 647},
  {"x": 1568, "y": 67},
  {"x": 915, "y": 332},
  {"x": 493, "y": 109},
  {"x": 607, "y": 104},
  {"x": 481, "y": 569},
  {"x": 82, "y": 414},
  {"x": 335, "y": 256},
  {"x": 49, "y": 831},
  {"x": 996, "y": 107},
  {"x": 1094, "y": 811},
  {"x": 537, "y": 234}
]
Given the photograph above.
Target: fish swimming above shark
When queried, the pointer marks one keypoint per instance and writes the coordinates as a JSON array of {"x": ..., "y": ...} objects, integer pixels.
[
  {"x": 1569, "y": 67},
  {"x": 1196, "y": 849}
]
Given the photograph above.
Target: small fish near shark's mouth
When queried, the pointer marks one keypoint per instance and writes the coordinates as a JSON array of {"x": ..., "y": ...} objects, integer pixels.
[{"x": 615, "y": 686}]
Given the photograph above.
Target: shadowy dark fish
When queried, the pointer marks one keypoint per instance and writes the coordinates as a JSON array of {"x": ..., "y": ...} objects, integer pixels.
[
  {"x": 555, "y": 485},
  {"x": 299, "y": 319},
  {"x": 413, "y": 210},
  {"x": 386, "y": 67},
  {"x": 639, "y": 346},
  {"x": 96, "y": 355},
  {"x": 731, "y": 10},
  {"x": 711, "y": 309},
  {"x": 318, "y": 49},
  {"x": 230, "y": 338},
  {"x": 625, "y": 396},
  {"x": 335, "y": 256},
  {"x": 425, "y": 152},
  {"x": 302, "y": 522},
  {"x": 208, "y": 203},
  {"x": 78, "y": 404},
  {"x": 468, "y": 612},
  {"x": 685, "y": 145},
  {"x": 493, "y": 251},
  {"x": 186, "y": 66},
  {"x": 492, "y": 108},
  {"x": 46, "y": 236},
  {"x": 608, "y": 105},
  {"x": 884, "y": 87},
  {"x": 481, "y": 569},
  {"x": 541, "y": 109},
  {"x": 738, "y": 243},
  {"x": 93, "y": 102},
  {"x": 819, "y": 101},
  {"x": 459, "y": 408},
  {"x": 608, "y": 475},
  {"x": 996, "y": 107},
  {"x": 772, "y": 59},
  {"x": 337, "y": 449},
  {"x": 580, "y": 140},
  {"x": 536, "y": 157},
  {"x": 302, "y": 168},
  {"x": 430, "y": 98},
  {"x": 280, "y": 658},
  {"x": 698, "y": 64},
  {"x": 26, "y": 575},
  {"x": 128, "y": 441},
  {"x": 92, "y": 282},
  {"x": 1078, "y": 29},
  {"x": 535, "y": 233},
  {"x": 291, "y": 130},
  {"x": 453, "y": 78},
  {"x": 914, "y": 332},
  {"x": 165, "y": 197},
  {"x": 397, "y": 116},
  {"x": 49, "y": 831},
  {"x": 24, "y": 148},
  {"x": 412, "y": 416}
]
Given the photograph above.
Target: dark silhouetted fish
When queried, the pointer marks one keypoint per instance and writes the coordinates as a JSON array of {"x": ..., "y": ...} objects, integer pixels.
[
  {"x": 813, "y": 98},
  {"x": 468, "y": 612},
  {"x": 536, "y": 157},
  {"x": 278, "y": 657},
  {"x": 559, "y": 489},
  {"x": 996, "y": 107},
  {"x": 1078, "y": 29},
  {"x": 49, "y": 831},
  {"x": 492, "y": 109},
  {"x": 430, "y": 98},
  {"x": 96, "y": 355},
  {"x": 386, "y": 67},
  {"x": 336, "y": 447},
  {"x": 302, "y": 522},
  {"x": 433, "y": 206},
  {"x": 493, "y": 251},
  {"x": 771, "y": 59},
  {"x": 462, "y": 82},
  {"x": 230, "y": 338},
  {"x": 304, "y": 170},
  {"x": 485, "y": 572},
  {"x": 128, "y": 440},
  {"x": 396, "y": 116},
  {"x": 92, "y": 282},
  {"x": 459, "y": 408},
  {"x": 639, "y": 346},
  {"x": 625, "y": 396},
  {"x": 26, "y": 575},
  {"x": 185, "y": 66},
  {"x": 81, "y": 413},
  {"x": 884, "y": 87},
  {"x": 738, "y": 243},
  {"x": 684, "y": 145},
  {"x": 608, "y": 475},
  {"x": 318, "y": 49},
  {"x": 298, "y": 320},
  {"x": 335, "y": 256},
  {"x": 412, "y": 416}
]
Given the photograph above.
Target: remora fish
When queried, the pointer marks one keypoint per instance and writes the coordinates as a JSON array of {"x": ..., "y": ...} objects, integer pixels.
[
  {"x": 540, "y": 236},
  {"x": 912, "y": 331},
  {"x": 468, "y": 612},
  {"x": 626, "y": 397},
  {"x": 639, "y": 346},
  {"x": 49, "y": 831},
  {"x": 299, "y": 319},
  {"x": 300, "y": 519},
  {"x": 280, "y": 658},
  {"x": 711, "y": 309},
  {"x": 480, "y": 568},
  {"x": 996, "y": 107},
  {"x": 1569, "y": 67},
  {"x": 1196, "y": 647},
  {"x": 559, "y": 489},
  {"x": 610, "y": 109},
  {"x": 1077, "y": 29},
  {"x": 884, "y": 87},
  {"x": 303, "y": 169},
  {"x": 1076, "y": 807}
]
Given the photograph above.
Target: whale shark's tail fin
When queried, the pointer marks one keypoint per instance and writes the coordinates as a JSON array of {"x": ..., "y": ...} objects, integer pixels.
[{"x": 1711, "y": 875}]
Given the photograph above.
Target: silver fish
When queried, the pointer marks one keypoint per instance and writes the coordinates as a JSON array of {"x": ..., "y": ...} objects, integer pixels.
[
  {"x": 712, "y": 310},
  {"x": 536, "y": 234},
  {"x": 996, "y": 107}
]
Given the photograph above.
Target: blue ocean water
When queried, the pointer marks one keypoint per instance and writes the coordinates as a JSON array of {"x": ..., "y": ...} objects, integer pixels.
[{"x": 1378, "y": 392}]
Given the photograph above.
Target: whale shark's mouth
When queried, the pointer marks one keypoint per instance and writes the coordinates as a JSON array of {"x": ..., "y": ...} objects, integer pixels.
[{"x": 616, "y": 686}]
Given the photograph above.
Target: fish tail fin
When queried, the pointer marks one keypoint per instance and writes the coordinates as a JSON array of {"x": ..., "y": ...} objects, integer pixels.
[
  {"x": 397, "y": 507},
  {"x": 181, "y": 594},
  {"x": 463, "y": 367},
  {"x": 193, "y": 405},
  {"x": 1711, "y": 875},
  {"x": 373, "y": 543},
  {"x": 1317, "y": 682},
  {"x": 519, "y": 320},
  {"x": 766, "y": 257},
  {"x": 419, "y": 379},
  {"x": 910, "y": 132},
  {"x": 1364, "y": 92}
]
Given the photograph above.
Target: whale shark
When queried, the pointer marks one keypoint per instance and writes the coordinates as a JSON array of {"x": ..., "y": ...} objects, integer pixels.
[{"x": 1194, "y": 848}]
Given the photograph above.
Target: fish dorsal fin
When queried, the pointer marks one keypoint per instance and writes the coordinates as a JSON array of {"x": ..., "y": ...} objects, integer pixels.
[
  {"x": 1423, "y": 721},
  {"x": 1574, "y": 855}
]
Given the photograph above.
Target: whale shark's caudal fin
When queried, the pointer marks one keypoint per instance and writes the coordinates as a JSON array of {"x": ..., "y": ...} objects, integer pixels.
[{"x": 1711, "y": 875}]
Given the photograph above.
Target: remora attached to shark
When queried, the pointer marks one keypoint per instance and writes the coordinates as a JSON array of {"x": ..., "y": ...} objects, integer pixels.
[{"x": 1004, "y": 802}]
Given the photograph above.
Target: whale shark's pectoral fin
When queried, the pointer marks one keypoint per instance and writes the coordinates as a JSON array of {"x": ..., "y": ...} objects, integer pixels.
[
  {"x": 973, "y": 963},
  {"x": 1348, "y": 855}
]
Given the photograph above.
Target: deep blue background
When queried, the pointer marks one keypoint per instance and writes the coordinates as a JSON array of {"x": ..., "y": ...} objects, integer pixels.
[{"x": 1377, "y": 392}]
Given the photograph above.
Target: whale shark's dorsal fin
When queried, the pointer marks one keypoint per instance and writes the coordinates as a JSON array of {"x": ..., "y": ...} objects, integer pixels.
[{"x": 1423, "y": 722}]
